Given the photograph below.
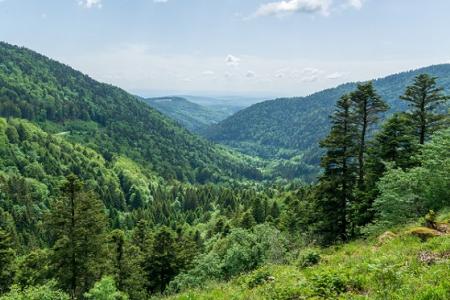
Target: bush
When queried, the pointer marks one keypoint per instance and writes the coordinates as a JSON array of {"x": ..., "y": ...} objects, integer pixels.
[
  {"x": 308, "y": 258},
  {"x": 259, "y": 277},
  {"x": 41, "y": 292},
  {"x": 327, "y": 285},
  {"x": 105, "y": 289},
  {"x": 406, "y": 195}
]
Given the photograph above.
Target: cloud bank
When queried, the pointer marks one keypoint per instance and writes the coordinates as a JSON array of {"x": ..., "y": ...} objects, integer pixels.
[{"x": 286, "y": 7}]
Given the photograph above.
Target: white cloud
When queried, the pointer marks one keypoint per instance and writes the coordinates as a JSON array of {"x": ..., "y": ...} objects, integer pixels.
[
  {"x": 310, "y": 78},
  {"x": 160, "y": 1},
  {"x": 232, "y": 60},
  {"x": 280, "y": 8},
  {"x": 312, "y": 71},
  {"x": 355, "y": 3},
  {"x": 335, "y": 75},
  {"x": 90, "y": 3},
  {"x": 250, "y": 74},
  {"x": 323, "y": 7}
]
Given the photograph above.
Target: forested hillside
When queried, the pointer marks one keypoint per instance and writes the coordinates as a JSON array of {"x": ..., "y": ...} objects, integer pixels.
[
  {"x": 194, "y": 117},
  {"x": 107, "y": 119},
  {"x": 284, "y": 128},
  {"x": 102, "y": 197}
]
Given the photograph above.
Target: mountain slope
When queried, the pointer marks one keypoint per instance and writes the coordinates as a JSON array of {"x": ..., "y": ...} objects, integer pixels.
[
  {"x": 194, "y": 117},
  {"x": 107, "y": 119},
  {"x": 285, "y": 127},
  {"x": 396, "y": 265}
]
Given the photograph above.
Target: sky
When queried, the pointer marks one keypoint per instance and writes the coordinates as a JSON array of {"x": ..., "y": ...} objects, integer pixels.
[{"x": 232, "y": 47}]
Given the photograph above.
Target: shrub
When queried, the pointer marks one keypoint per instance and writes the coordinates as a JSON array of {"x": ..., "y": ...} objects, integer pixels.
[
  {"x": 308, "y": 259},
  {"x": 327, "y": 285}
]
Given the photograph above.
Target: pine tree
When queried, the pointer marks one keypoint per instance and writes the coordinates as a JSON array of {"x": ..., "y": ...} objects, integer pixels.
[
  {"x": 337, "y": 181},
  {"x": 247, "y": 221},
  {"x": 394, "y": 144},
  {"x": 126, "y": 266},
  {"x": 367, "y": 106},
  {"x": 160, "y": 263},
  {"x": 7, "y": 256},
  {"x": 258, "y": 210},
  {"x": 424, "y": 97},
  {"x": 275, "y": 210},
  {"x": 78, "y": 223}
]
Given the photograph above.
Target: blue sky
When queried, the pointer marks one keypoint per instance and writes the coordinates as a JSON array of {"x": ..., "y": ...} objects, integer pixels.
[{"x": 232, "y": 47}]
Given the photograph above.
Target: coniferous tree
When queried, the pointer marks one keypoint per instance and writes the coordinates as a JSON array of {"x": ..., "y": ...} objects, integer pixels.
[
  {"x": 248, "y": 221},
  {"x": 367, "y": 106},
  {"x": 7, "y": 256},
  {"x": 338, "y": 179},
  {"x": 395, "y": 144},
  {"x": 258, "y": 210},
  {"x": 424, "y": 97},
  {"x": 77, "y": 224},
  {"x": 126, "y": 266},
  {"x": 160, "y": 263},
  {"x": 275, "y": 210}
]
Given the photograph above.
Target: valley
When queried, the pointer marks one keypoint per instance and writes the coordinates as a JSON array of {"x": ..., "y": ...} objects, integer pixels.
[{"x": 202, "y": 150}]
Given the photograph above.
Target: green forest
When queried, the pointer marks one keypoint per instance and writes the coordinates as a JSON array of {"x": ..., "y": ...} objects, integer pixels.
[
  {"x": 287, "y": 131},
  {"x": 195, "y": 117},
  {"x": 102, "y": 197}
]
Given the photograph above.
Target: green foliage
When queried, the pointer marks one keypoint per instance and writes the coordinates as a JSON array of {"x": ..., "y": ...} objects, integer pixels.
[
  {"x": 240, "y": 251},
  {"x": 284, "y": 128},
  {"x": 166, "y": 257},
  {"x": 34, "y": 268},
  {"x": 194, "y": 117},
  {"x": 308, "y": 258},
  {"x": 106, "y": 118},
  {"x": 326, "y": 285},
  {"x": 105, "y": 289},
  {"x": 40, "y": 292},
  {"x": 77, "y": 225},
  {"x": 424, "y": 96},
  {"x": 357, "y": 270},
  {"x": 7, "y": 255},
  {"x": 126, "y": 265},
  {"x": 405, "y": 195}
]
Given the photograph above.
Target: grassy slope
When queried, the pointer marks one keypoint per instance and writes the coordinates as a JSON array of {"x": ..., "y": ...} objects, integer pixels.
[{"x": 364, "y": 269}]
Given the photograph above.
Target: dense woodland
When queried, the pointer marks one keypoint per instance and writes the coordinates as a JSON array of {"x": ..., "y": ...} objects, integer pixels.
[
  {"x": 289, "y": 130},
  {"x": 194, "y": 117},
  {"x": 101, "y": 197}
]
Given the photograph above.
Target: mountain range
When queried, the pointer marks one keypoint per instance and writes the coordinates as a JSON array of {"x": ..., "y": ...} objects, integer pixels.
[
  {"x": 193, "y": 116},
  {"x": 110, "y": 121},
  {"x": 289, "y": 128}
]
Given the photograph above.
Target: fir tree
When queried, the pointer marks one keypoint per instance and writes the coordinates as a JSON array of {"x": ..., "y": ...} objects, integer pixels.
[
  {"x": 367, "y": 106},
  {"x": 7, "y": 256},
  {"x": 424, "y": 97},
  {"x": 126, "y": 266},
  {"x": 248, "y": 221},
  {"x": 258, "y": 210},
  {"x": 160, "y": 263},
  {"x": 395, "y": 144},
  {"x": 339, "y": 166},
  {"x": 78, "y": 223}
]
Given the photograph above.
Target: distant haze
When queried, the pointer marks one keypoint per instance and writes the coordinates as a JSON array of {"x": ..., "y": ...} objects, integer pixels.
[{"x": 253, "y": 48}]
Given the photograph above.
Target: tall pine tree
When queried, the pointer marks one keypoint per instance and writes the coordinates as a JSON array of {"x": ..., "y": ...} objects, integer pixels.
[
  {"x": 337, "y": 181},
  {"x": 424, "y": 97},
  {"x": 367, "y": 107},
  {"x": 7, "y": 257},
  {"x": 77, "y": 224}
]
